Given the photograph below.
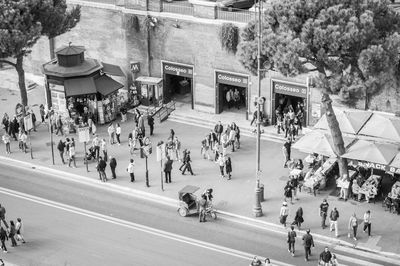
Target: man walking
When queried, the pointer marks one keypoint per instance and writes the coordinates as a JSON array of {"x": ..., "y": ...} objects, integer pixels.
[
  {"x": 72, "y": 154},
  {"x": 286, "y": 149},
  {"x": 218, "y": 129},
  {"x": 19, "y": 228},
  {"x": 187, "y": 166},
  {"x": 323, "y": 211},
  {"x": 334, "y": 216},
  {"x": 3, "y": 216},
  {"x": 150, "y": 122},
  {"x": 61, "y": 149},
  {"x": 308, "y": 242},
  {"x": 168, "y": 169},
  {"x": 3, "y": 238},
  {"x": 130, "y": 169},
  {"x": 101, "y": 168},
  {"x": 291, "y": 240},
  {"x": 113, "y": 165},
  {"x": 367, "y": 222},
  {"x": 325, "y": 257},
  {"x": 59, "y": 125},
  {"x": 141, "y": 125}
]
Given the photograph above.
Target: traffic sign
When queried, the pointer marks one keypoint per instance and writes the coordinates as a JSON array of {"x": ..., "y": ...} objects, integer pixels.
[
  {"x": 28, "y": 124},
  {"x": 83, "y": 134},
  {"x": 161, "y": 155}
]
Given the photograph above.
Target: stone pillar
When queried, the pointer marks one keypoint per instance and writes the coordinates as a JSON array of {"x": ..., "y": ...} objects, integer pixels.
[{"x": 204, "y": 9}]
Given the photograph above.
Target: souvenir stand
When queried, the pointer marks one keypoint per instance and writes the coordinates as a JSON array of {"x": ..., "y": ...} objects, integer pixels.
[{"x": 151, "y": 90}]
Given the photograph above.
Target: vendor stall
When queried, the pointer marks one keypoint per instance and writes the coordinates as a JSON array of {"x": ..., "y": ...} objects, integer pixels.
[
  {"x": 369, "y": 189},
  {"x": 151, "y": 90}
]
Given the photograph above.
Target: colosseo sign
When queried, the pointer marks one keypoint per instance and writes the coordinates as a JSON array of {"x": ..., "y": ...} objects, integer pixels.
[
  {"x": 232, "y": 79},
  {"x": 178, "y": 70},
  {"x": 289, "y": 89}
]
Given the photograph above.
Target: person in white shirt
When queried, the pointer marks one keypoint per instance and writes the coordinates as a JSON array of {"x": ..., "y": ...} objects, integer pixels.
[
  {"x": 118, "y": 133},
  {"x": 103, "y": 146},
  {"x": 7, "y": 141},
  {"x": 72, "y": 155},
  {"x": 96, "y": 146},
  {"x": 284, "y": 213},
  {"x": 19, "y": 229},
  {"x": 111, "y": 131},
  {"x": 130, "y": 170},
  {"x": 367, "y": 222},
  {"x": 23, "y": 139}
]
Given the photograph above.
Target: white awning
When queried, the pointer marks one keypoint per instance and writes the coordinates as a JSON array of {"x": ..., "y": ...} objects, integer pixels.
[{"x": 149, "y": 80}]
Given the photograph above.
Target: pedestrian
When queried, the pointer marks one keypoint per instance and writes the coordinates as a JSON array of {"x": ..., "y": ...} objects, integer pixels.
[
  {"x": 291, "y": 239},
  {"x": 7, "y": 142},
  {"x": 23, "y": 138},
  {"x": 308, "y": 242},
  {"x": 111, "y": 132},
  {"x": 221, "y": 164},
  {"x": 325, "y": 257},
  {"x": 334, "y": 216},
  {"x": 283, "y": 214},
  {"x": 130, "y": 170},
  {"x": 168, "y": 169},
  {"x": 228, "y": 167},
  {"x": 67, "y": 145},
  {"x": 171, "y": 134},
  {"x": 141, "y": 125},
  {"x": 118, "y": 134},
  {"x": 294, "y": 183},
  {"x": 177, "y": 148},
  {"x": 237, "y": 134},
  {"x": 224, "y": 142},
  {"x": 14, "y": 127},
  {"x": 6, "y": 122},
  {"x": 205, "y": 147},
  {"x": 113, "y": 165},
  {"x": 236, "y": 98},
  {"x": 287, "y": 192},
  {"x": 61, "y": 150},
  {"x": 298, "y": 219},
  {"x": 187, "y": 166},
  {"x": 202, "y": 209},
  {"x": 101, "y": 168},
  {"x": 103, "y": 147},
  {"x": 323, "y": 212},
  {"x": 72, "y": 155},
  {"x": 367, "y": 222},
  {"x": 123, "y": 111},
  {"x": 12, "y": 233},
  {"x": 218, "y": 129},
  {"x": 279, "y": 123},
  {"x": 33, "y": 121},
  {"x": 353, "y": 225},
  {"x": 229, "y": 98},
  {"x": 3, "y": 216},
  {"x": 59, "y": 126},
  {"x": 3, "y": 238},
  {"x": 231, "y": 138},
  {"x": 96, "y": 146},
  {"x": 184, "y": 155},
  {"x": 213, "y": 140},
  {"x": 19, "y": 230},
  {"x": 42, "y": 112},
  {"x": 150, "y": 122},
  {"x": 286, "y": 149}
]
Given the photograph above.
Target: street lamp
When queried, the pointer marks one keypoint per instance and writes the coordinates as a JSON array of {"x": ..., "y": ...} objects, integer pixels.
[{"x": 257, "y": 209}]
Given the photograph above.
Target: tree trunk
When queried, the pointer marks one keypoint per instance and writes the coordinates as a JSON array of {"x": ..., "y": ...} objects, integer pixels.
[
  {"x": 338, "y": 143},
  {"x": 148, "y": 53},
  {"x": 21, "y": 80},
  {"x": 366, "y": 104},
  {"x": 51, "y": 46}
]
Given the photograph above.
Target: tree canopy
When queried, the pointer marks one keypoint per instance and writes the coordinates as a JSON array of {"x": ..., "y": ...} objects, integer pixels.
[{"x": 352, "y": 45}]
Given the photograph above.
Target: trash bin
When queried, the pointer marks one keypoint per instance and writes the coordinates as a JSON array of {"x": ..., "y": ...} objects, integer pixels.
[{"x": 261, "y": 192}]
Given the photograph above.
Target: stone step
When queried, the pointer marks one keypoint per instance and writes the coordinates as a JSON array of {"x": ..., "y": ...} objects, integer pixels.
[{"x": 244, "y": 131}]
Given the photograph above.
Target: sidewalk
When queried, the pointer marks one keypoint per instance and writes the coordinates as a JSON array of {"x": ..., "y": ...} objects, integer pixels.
[{"x": 233, "y": 196}]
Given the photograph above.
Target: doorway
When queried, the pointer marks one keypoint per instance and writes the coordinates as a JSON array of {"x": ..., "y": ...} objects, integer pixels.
[
  {"x": 283, "y": 101},
  {"x": 178, "y": 89}
]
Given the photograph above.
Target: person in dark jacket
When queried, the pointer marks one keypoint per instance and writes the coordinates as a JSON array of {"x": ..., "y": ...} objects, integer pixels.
[
  {"x": 184, "y": 154},
  {"x": 291, "y": 240},
  {"x": 168, "y": 169},
  {"x": 3, "y": 216},
  {"x": 288, "y": 192},
  {"x": 12, "y": 233},
  {"x": 218, "y": 129},
  {"x": 228, "y": 167},
  {"x": 34, "y": 121},
  {"x": 298, "y": 219},
  {"x": 187, "y": 166},
  {"x": 113, "y": 165},
  {"x": 61, "y": 150},
  {"x": 325, "y": 257},
  {"x": 150, "y": 122},
  {"x": 3, "y": 238},
  {"x": 308, "y": 242},
  {"x": 13, "y": 128},
  {"x": 6, "y": 122},
  {"x": 101, "y": 168}
]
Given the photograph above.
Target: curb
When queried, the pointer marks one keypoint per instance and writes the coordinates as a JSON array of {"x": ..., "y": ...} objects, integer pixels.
[{"x": 174, "y": 203}]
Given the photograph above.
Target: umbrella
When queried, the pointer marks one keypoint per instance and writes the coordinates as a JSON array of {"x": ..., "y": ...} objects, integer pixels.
[
  {"x": 350, "y": 121},
  {"x": 369, "y": 151},
  {"x": 396, "y": 161},
  {"x": 319, "y": 142},
  {"x": 381, "y": 126}
]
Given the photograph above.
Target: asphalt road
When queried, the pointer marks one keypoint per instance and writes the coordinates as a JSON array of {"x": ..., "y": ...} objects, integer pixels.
[{"x": 113, "y": 233}]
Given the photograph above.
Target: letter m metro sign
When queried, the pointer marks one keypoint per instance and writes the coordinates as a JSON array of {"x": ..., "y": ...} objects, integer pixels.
[{"x": 135, "y": 67}]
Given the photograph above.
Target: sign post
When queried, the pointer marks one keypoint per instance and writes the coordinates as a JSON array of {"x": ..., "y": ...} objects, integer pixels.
[
  {"x": 28, "y": 124},
  {"x": 160, "y": 156},
  {"x": 146, "y": 151},
  {"x": 84, "y": 136}
]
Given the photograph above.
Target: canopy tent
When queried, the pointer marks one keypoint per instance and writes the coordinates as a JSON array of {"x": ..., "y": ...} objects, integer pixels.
[
  {"x": 319, "y": 142},
  {"x": 368, "y": 151},
  {"x": 381, "y": 126},
  {"x": 396, "y": 161},
  {"x": 106, "y": 85},
  {"x": 350, "y": 121},
  {"x": 113, "y": 70},
  {"x": 79, "y": 86}
]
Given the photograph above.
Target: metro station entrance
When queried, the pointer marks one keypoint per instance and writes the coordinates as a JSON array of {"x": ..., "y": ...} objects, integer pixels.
[
  {"x": 231, "y": 92},
  {"x": 178, "y": 82}
]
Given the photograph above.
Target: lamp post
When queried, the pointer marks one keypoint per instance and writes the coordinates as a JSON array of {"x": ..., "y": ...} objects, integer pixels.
[{"x": 257, "y": 209}]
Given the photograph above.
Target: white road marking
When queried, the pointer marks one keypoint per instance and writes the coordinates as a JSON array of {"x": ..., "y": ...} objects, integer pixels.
[{"x": 135, "y": 226}]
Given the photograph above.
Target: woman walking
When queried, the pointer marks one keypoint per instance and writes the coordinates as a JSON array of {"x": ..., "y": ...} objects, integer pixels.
[
  {"x": 118, "y": 133},
  {"x": 12, "y": 234},
  {"x": 288, "y": 192},
  {"x": 7, "y": 142},
  {"x": 353, "y": 225},
  {"x": 3, "y": 238},
  {"x": 298, "y": 219},
  {"x": 19, "y": 228},
  {"x": 228, "y": 167},
  {"x": 284, "y": 213}
]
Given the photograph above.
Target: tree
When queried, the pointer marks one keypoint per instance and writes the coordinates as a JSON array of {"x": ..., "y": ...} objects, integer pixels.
[
  {"x": 350, "y": 46},
  {"x": 22, "y": 22},
  {"x": 56, "y": 20}
]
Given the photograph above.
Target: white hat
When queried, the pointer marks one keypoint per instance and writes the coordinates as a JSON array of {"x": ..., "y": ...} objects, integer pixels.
[{"x": 284, "y": 203}]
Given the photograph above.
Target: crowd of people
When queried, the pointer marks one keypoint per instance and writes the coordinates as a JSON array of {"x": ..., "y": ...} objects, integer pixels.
[
  {"x": 289, "y": 120},
  {"x": 12, "y": 232}
]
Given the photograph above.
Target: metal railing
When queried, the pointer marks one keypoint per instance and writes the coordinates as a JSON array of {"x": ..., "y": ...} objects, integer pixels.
[
  {"x": 235, "y": 14},
  {"x": 110, "y": 2},
  {"x": 165, "y": 111},
  {"x": 181, "y": 7}
]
